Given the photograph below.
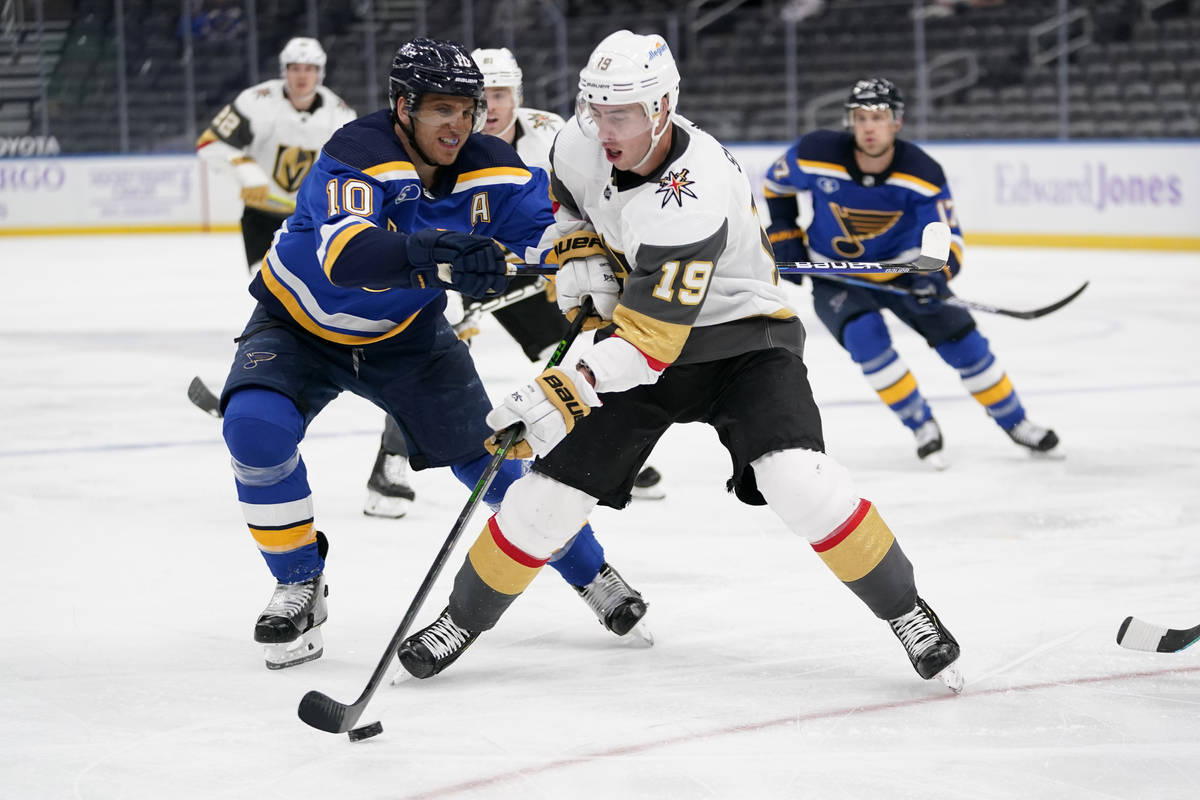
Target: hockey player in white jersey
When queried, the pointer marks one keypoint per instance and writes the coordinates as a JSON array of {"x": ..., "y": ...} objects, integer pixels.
[
  {"x": 656, "y": 224},
  {"x": 270, "y": 136}
]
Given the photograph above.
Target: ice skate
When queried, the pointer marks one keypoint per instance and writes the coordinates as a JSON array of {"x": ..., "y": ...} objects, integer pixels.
[
  {"x": 1039, "y": 440},
  {"x": 929, "y": 445},
  {"x": 930, "y": 647},
  {"x": 388, "y": 492},
  {"x": 617, "y": 605},
  {"x": 648, "y": 485},
  {"x": 435, "y": 647},
  {"x": 289, "y": 626}
]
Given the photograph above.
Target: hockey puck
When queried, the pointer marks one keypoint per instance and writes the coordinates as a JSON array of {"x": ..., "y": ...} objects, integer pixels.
[{"x": 365, "y": 732}]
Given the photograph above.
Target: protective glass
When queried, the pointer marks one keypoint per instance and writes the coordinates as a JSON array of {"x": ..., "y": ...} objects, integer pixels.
[{"x": 622, "y": 122}]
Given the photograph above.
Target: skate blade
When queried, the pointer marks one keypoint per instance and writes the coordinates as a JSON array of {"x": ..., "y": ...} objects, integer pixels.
[
  {"x": 307, "y": 647},
  {"x": 379, "y": 505},
  {"x": 952, "y": 679},
  {"x": 639, "y": 636},
  {"x": 936, "y": 461}
]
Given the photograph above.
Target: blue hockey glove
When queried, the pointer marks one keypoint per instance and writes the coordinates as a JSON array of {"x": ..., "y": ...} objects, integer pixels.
[
  {"x": 789, "y": 246},
  {"x": 477, "y": 267},
  {"x": 927, "y": 292}
]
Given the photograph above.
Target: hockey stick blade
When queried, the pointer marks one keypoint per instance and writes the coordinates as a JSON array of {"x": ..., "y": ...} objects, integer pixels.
[
  {"x": 935, "y": 252},
  {"x": 1031, "y": 314},
  {"x": 321, "y": 711},
  {"x": 1135, "y": 634},
  {"x": 203, "y": 398}
]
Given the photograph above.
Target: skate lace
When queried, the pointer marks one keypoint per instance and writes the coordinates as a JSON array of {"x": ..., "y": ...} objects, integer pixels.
[
  {"x": 927, "y": 432},
  {"x": 444, "y": 637},
  {"x": 1027, "y": 433},
  {"x": 605, "y": 592},
  {"x": 395, "y": 469},
  {"x": 290, "y": 599},
  {"x": 916, "y": 631}
]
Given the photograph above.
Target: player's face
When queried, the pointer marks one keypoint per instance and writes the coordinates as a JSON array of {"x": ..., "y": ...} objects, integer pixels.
[
  {"x": 624, "y": 132},
  {"x": 302, "y": 79},
  {"x": 874, "y": 130},
  {"x": 441, "y": 125},
  {"x": 501, "y": 106}
]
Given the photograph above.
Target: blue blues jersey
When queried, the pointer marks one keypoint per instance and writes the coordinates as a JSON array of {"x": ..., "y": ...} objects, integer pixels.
[
  {"x": 856, "y": 216},
  {"x": 338, "y": 266}
]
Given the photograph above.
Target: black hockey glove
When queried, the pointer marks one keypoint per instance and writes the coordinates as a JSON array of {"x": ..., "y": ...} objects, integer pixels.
[
  {"x": 477, "y": 267},
  {"x": 926, "y": 293},
  {"x": 789, "y": 246}
]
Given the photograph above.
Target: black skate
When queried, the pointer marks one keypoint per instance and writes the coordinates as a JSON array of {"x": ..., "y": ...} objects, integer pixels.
[
  {"x": 929, "y": 444},
  {"x": 430, "y": 650},
  {"x": 617, "y": 605},
  {"x": 930, "y": 647},
  {"x": 290, "y": 624},
  {"x": 1039, "y": 440},
  {"x": 648, "y": 485},
  {"x": 388, "y": 492}
]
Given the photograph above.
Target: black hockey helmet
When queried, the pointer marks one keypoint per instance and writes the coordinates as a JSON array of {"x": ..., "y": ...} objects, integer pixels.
[
  {"x": 875, "y": 93},
  {"x": 432, "y": 65}
]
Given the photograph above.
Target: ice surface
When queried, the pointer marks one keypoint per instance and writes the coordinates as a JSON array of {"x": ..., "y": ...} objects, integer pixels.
[{"x": 131, "y": 586}]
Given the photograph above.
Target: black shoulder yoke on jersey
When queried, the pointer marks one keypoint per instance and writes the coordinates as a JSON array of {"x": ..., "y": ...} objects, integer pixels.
[{"x": 837, "y": 147}]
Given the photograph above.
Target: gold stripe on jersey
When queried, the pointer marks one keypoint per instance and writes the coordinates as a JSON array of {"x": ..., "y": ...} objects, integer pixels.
[
  {"x": 913, "y": 182},
  {"x": 208, "y": 137},
  {"x": 771, "y": 193},
  {"x": 661, "y": 341},
  {"x": 285, "y": 540},
  {"x": 392, "y": 171},
  {"x": 823, "y": 168},
  {"x": 339, "y": 241},
  {"x": 491, "y": 177},
  {"x": 305, "y": 320}
]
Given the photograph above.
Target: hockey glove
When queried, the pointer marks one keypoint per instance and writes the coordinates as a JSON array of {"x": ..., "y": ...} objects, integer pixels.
[
  {"x": 789, "y": 246},
  {"x": 587, "y": 277},
  {"x": 476, "y": 265},
  {"x": 926, "y": 293},
  {"x": 547, "y": 410}
]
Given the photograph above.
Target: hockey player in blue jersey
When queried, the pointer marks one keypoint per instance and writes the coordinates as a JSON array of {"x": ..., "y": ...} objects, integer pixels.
[
  {"x": 350, "y": 298},
  {"x": 872, "y": 194}
]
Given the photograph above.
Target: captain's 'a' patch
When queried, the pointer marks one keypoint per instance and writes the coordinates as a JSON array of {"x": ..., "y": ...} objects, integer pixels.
[{"x": 675, "y": 186}]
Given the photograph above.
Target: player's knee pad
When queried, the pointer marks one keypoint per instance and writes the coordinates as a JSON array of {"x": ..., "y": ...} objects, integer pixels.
[
  {"x": 866, "y": 337},
  {"x": 964, "y": 351},
  {"x": 540, "y": 514},
  {"x": 809, "y": 491},
  {"x": 261, "y": 428}
]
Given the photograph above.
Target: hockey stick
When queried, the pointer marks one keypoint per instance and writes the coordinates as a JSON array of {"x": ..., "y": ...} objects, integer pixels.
[
  {"x": 505, "y": 300},
  {"x": 323, "y": 712},
  {"x": 935, "y": 251},
  {"x": 203, "y": 398},
  {"x": 952, "y": 300},
  {"x": 1137, "y": 635}
]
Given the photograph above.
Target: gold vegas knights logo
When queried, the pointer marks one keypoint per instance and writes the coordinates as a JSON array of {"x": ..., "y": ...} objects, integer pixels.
[
  {"x": 860, "y": 224},
  {"x": 291, "y": 165}
]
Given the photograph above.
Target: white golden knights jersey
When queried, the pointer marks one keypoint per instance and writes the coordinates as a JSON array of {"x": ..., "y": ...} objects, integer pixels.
[
  {"x": 338, "y": 266},
  {"x": 858, "y": 217},
  {"x": 698, "y": 276},
  {"x": 264, "y": 126},
  {"x": 535, "y": 136}
]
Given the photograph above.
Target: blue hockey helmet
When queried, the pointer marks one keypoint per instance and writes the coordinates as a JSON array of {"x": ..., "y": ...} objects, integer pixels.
[
  {"x": 873, "y": 94},
  {"x": 424, "y": 66}
]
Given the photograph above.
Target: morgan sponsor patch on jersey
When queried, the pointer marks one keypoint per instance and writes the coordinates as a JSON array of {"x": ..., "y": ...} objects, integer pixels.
[{"x": 675, "y": 186}]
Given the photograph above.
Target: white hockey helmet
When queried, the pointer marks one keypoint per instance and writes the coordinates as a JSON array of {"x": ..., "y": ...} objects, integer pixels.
[
  {"x": 302, "y": 50},
  {"x": 629, "y": 68},
  {"x": 500, "y": 69}
]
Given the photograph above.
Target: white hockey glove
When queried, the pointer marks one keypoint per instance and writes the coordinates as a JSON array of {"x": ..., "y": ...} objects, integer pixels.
[
  {"x": 256, "y": 187},
  {"x": 591, "y": 277},
  {"x": 547, "y": 409}
]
